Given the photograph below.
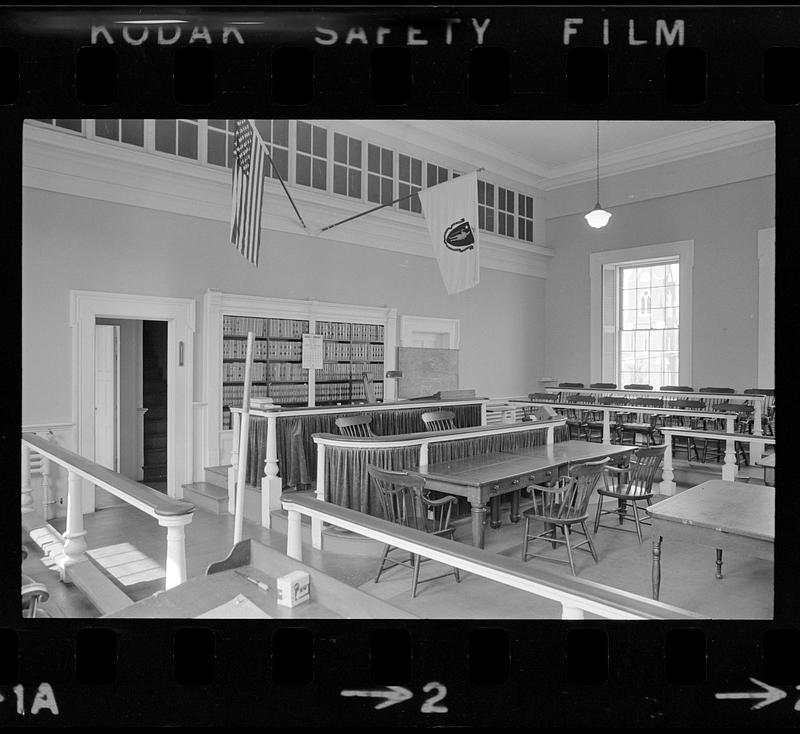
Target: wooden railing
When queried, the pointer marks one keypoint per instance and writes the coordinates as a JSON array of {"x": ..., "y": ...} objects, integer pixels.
[
  {"x": 576, "y": 596},
  {"x": 170, "y": 513},
  {"x": 419, "y": 441},
  {"x": 271, "y": 483},
  {"x": 729, "y": 468}
]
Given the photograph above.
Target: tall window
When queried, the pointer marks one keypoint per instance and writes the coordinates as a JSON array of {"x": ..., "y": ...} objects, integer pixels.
[
  {"x": 380, "y": 176},
  {"x": 122, "y": 131},
  {"x": 409, "y": 182},
  {"x": 346, "y": 165},
  {"x": 311, "y": 168},
  {"x": 648, "y": 323}
]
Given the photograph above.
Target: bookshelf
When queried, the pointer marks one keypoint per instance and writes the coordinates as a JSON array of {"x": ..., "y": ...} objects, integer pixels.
[
  {"x": 350, "y": 349},
  {"x": 367, "y": 333},
  {"x": 277, "y": 357}
]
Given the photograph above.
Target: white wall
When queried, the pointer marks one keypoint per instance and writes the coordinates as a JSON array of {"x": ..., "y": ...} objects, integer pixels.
[
  {"x": 71, "y": 242},
  {"x": 723, "y": 221}
]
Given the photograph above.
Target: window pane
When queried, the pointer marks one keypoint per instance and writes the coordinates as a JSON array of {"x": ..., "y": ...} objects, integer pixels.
[
  {"x": 501, "y": 225},
  {"x": 490, "y": 220},
  {"x": 416, "y": 171},
  {"x": 671, "y": 317},
  {"x": 76, "y": 125},
  {"x": 320, "y": 141},
  {"x": 303, "y": 137},
  {"x": 216, "y": 147},
  {"x": 481, "y": 186},
  {"x": 628, "y": 320},
  {"x": 373, "y": 188},
  {"x": 165, "y": 136},
  {"x": 628, "y": 278},
  {"x": 643, "y": 277},
  {"x": 490, "y": 194},
  {"x": 107, "y": 129},
  {"x": 657, "y": 340},
  {"x": 280, "y": 131},
  {"x": 671, "y": 340},
  {"x": 481, "y": 218},
  {"x": 642, "y": 320},
  {"x": 303, "y": 170},
  {"x": 671, "y": 295},
  {"x": 386, "y": 190},
  {"x": 339, "y": 148},
  {"x": 320, "y": 173},
  {"x": 626, "y": 341},
  {"x": 355, "y": 152},
  {"x": 415, "y": 204},
  {"x": 657, "y": 318},
  {"x": 629, "y": 299},
  {"x": 354, "y": 183},
  {"x": 133, "y": 132},
  {"x": 339, "y": 180},
  {"x": 218, "y": 124},
  {"x": 264, "y": 130},
  {"x": 640, "y": 341},
  {"x": 672, "y": 271},
  {"x": 386, "y": 162},
  {"x": 656, "y": 364},
  {"x": 281, "y": 158},
  {"x": 187, "y": 140},
  {"x": 373, "y": 158},
  {"x": 657, "y": 274},
  {"x": 404, "y": 167},
  {"x": 658, "y": 297}
]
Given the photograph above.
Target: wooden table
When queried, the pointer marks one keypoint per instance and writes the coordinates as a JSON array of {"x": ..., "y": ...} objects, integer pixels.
[
  {"x": 485, "y": 477},
  {"x": 330, "y": 598},
  {"x": 768, "y": 462},
  {"x": 718, "y": 514}
]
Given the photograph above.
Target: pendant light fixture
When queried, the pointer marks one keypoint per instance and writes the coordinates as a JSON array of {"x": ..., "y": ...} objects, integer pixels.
[{"x": 598, "y": 217}]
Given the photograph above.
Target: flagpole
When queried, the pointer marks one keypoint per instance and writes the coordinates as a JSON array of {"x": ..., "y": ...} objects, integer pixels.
[
  {"x": 383, "y": 206},
  {"x": 277, "y": 172}
]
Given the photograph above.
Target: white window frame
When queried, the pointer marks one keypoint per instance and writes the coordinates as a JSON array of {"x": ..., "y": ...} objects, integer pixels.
[{"x": 599, "y": 261}]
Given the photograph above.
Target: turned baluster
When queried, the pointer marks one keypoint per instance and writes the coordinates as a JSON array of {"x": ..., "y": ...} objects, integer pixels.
[
  {"x": 271, "y": 484},
  {"x": 74, "y": 536},
  {"x": 176, "y": 548}
]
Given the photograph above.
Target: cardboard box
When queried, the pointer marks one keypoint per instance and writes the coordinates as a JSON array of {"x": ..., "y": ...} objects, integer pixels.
[{"x": 293, "y": 588}]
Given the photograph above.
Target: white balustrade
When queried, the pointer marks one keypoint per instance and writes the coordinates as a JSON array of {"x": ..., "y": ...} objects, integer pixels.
[
  {"x": 176, "y": 548},
  {"x": 74, "y": 536},
  {"x": 271, "y": 484}
]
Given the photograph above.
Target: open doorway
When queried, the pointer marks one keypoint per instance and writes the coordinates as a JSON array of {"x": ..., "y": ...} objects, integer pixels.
[{"x": 131, "y": 402}]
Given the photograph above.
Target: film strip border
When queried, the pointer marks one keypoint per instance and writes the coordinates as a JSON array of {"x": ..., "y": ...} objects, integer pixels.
[
  {"x": 668, "y": 61},
  {"x": 387, "y": 673}
]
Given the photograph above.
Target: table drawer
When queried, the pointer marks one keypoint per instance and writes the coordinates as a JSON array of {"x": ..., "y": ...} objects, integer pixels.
[{"x": 543, "y": 476}]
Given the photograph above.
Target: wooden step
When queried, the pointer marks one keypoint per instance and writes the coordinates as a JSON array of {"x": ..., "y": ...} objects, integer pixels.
[
  {"x": 210, "y": 497},
  {"x": 218, "y": 475}
]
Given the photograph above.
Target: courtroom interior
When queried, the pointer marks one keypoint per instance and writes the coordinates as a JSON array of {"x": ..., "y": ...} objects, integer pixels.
[{"x": 398, "y": 369}]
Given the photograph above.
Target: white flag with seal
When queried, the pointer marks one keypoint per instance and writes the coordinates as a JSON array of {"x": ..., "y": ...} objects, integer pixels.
[{"x": 451, "y": 213}]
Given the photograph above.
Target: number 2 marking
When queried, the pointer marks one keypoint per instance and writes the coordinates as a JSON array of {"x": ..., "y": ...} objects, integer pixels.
[{"x": 430, "y": 707}]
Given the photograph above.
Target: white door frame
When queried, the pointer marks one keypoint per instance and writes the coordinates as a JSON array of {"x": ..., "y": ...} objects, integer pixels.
[{"x": 179, "y": 313}]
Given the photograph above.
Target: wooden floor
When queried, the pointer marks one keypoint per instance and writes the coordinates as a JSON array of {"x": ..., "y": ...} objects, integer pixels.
[{"x": 133, "y": 547}]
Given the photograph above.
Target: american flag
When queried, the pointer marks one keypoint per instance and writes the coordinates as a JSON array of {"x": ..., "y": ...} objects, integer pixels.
[{"x": 249, "y": 163}]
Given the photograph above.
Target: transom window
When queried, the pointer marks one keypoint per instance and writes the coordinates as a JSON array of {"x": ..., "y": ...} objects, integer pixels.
[
  {"x": 435, "y": 175},
  {"x": 275, "y": 134},
  {"x": 409, "y": 182},
  {"x": 311, "y": 164},
  {"x": 525, "y": 217},
  {"x": 178, "y": 137},
  {"x": 648, "y": 324},
  {"x": 122, "y": 131},
  {"x": 380, "y": 176},
  {"x": 485, "y": 206},
  {"x": 505, "y": 211},
  {"x": 346, "y": 165}
]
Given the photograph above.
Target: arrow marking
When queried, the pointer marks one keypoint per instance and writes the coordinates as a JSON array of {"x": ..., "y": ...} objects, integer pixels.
[
  {"x": 394, "y": 694},
  {"x": 769, "y": 695}
]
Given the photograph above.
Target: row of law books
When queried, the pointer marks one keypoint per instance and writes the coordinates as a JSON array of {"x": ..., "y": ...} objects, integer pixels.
[
  {"x": 241, "y": 325},
  {"x": 375, "y": 371},
  {"x": 289, "y": 394},
  {"x": 233, "y": 395},
  {"x": 284, "y": 350},
  {"x": 237, "y": 349},
  {"x": 366, "y": 352},
  {"x": 360, "y": 394},
  {"x": 333, "y": 330},
  {"x": 367, "y": 332},
  {"x": 287, "y": 371},
  {"x": 333, "y": 371},
  {"x": 234, "y": 371},
  {"x": 287, "y": 328},
  {"x": 333, "y": 392}
]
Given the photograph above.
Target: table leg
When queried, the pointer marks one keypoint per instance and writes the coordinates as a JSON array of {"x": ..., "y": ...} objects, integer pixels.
[
  {"x": 478, "y": 525},
  {"x": 515, "y": 507},
  {"x": 719, "y": 563},
  {"x": 656, "y": 572},
  {"x": 495, "y": 505}
]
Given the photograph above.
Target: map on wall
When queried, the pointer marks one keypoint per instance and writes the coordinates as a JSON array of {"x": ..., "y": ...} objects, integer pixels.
[{"x": 426, "y": 371}]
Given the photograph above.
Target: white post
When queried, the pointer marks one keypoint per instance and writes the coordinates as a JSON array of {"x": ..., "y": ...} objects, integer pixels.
[
  {"x": 233, "y": 469},
  {"x": 549, "y": 434},
  {"x": 483, "y": 413},
  {"x": 271, "y": 484},
  {"x": 176, "y": 547},
  {"x": 241, "y": 475},
  {"x": 667, "y": 474},
  {"x": 423, "y": 453},
  {"x": 26, "y": 500},
  {"x": 756, "y": 447},
  {"x": 74, "y": 540},
  {"x": 606, "y": 425},
  {"x": 729, "y": 470},
  {"x": 568, "y": 612},
  {"x": 294, "y": 538},
  {"x": 319, "y": 491},
  {"x": 47, "y": 499}
]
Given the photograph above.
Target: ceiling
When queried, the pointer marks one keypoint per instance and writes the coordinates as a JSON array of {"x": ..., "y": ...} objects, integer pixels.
[{"x": 562, "y": 152}]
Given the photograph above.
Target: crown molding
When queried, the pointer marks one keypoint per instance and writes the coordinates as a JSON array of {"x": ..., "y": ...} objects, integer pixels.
[
  {"x": 717, "y": 137},
  {"x": 76, "y": 166}
]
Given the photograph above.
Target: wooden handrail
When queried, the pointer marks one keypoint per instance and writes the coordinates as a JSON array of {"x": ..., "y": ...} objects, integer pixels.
[
  {"x": 281, "y": 412},
  {"x": 575, "y": 595},
  {"x": 146, "y": 499},
  {"x": 170, "y": 513}
]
